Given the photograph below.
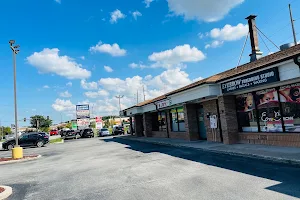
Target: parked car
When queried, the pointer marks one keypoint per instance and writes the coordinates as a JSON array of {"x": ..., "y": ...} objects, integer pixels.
[
  {"x": 53, "y": 132},
  {"x": 28, "y": 139},
  {"x": 87, "y": 133},
  {"x": 70, "y": 134},
  {"x": 103, "y": 132},
  {"x": 118, "y": 130}
]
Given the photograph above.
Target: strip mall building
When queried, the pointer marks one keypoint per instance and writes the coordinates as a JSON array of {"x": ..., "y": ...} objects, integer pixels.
[{"x": 256, "y": 103}]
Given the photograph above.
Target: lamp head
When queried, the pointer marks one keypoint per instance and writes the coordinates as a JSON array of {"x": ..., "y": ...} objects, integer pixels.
[{"x": 11, "y": 42}]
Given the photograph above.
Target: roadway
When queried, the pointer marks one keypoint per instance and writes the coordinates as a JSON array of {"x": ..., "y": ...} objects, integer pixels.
[{"x": 114, "y": 168}]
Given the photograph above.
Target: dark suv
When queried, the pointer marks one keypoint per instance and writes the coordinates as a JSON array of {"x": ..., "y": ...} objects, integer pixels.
[
  {"x": 70, "y": 134},
  {"x": 27, "y": 139},
  {"x": 87, "y": 133}
]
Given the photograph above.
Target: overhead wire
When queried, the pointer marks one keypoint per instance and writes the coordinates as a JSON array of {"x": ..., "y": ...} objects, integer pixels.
[
  {"x": 242, "y": 51},
  {"x": 264, "y": 42}
]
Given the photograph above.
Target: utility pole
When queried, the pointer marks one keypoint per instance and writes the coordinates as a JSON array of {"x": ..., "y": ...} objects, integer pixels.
[
  {"x": 144, "y": 93},
  {"x": 15, "y": 51},
  {"x": 120, "y": 97},
  {"x": 292, "y": 22}
]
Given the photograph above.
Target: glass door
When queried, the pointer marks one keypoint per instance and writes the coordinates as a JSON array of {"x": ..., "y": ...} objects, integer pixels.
[{"x": 201, "y": 124}]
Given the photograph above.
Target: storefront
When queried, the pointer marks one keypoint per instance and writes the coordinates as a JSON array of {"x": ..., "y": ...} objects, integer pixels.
[
  {"x": 258, "y": 103},
  {"x": 268, "y": 112}
]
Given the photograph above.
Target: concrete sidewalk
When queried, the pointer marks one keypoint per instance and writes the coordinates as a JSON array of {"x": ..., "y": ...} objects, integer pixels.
[{"x": 288, "y": 155}]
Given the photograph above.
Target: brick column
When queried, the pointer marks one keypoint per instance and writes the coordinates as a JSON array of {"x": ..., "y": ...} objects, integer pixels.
[
  {"x": 147, "y": 122},
  {"x": 191, "y": 121},
  {"x": 211, "y": 107},
  {"x": 131, "y": 128},
  {"x": 138, "y": 125},
  {"x": 228, "y": 116},
  {"x": 168, "y": 118}
]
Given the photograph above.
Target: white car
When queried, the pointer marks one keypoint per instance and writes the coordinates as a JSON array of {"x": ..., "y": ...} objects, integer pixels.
[{"x": 103, "y": 132}]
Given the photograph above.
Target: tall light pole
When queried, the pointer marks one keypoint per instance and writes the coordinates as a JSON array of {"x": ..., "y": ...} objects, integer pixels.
[
  {"x": 15, "y": 51},
  {"x": 120, "y": 97},
  {"x": 293, "y": 27}
]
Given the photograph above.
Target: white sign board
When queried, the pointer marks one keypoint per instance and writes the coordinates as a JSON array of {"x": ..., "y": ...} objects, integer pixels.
[
  {"x": 83, "y": 122},
  {"x": 163, "y": 104},
  {"x": 213, "y": 121},
  {"x": 99, "y": 125}
]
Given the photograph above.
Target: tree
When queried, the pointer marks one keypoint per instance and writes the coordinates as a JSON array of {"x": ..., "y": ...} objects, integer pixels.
[
  {"x": 68, "y": 125},
  {"x": 40, "y": 122}
]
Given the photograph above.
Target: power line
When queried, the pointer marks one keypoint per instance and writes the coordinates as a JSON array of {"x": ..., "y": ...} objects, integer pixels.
[
  {"x": 267, "y": 37},
  {"x": 243, "y": 50},
  {"x": 264, "y": 42}
]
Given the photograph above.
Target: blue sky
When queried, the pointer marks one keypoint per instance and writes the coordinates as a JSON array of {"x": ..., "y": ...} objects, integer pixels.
[{"x": 75, "y": 51}]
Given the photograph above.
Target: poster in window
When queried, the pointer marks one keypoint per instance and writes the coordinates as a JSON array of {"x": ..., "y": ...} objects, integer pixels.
[
  {"x": 246, "y": 113},
  {"x": 290, "y": 98},
  {"x": 268, "y": 108}
]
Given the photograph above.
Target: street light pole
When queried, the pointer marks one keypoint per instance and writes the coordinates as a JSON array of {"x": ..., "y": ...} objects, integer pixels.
[
  {"x": 120, "y": 97},
  {"x": 15, "y": 51}
]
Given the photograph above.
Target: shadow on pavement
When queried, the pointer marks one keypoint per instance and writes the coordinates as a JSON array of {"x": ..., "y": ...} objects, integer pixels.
[{"x": 288, "y": 175}]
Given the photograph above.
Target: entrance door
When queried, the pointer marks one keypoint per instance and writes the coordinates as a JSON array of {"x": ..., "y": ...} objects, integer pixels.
[{"x": 201, "y": 124}]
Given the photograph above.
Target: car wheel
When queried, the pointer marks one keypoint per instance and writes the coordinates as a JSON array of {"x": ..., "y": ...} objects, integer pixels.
[
  {"x": 10, "y": 147},
  {"x": 40, "y": 144},
  {"x": 77, "y": 136}
]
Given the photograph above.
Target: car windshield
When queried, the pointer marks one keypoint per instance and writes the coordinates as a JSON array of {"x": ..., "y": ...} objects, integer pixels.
[{"x": 104, "y": 129}]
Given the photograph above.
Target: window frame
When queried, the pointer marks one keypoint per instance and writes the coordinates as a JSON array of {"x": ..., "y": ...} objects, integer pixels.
[{"x": 177, "y": 121}]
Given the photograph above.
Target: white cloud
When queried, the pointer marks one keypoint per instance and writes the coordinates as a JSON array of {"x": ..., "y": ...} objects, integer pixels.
[
  {"x": 140, "y": 65},
  {"x": 58, "y": 1},
  {"x": 136, "y": 14},
  {"x": 49, "y": 61},
  {"x": 197, "y": 79},
  {"x": 115, "y": 16},
  {"x": 201, "y": 35},
  {"x": 148, "y": 2},
  {"x": 99, "y": 93},
  {"x": 89, "y": 85},
  {"x": 214, "y": 44},
  {"x": 133, "y": 65},
  {"x": 69, "y": 84},
  {"x": 82, "y": 57},
  {"x": 61, "y": 105},
  {"x": 46, "y": 87},
  {"x": 202, "y": 10},
  {"x": 65, "y": 94},
  {"x": 230, "y": 33},
  {"x": 113, "y": 50},
  {"x": 108, "y": 69},
  {"x": 177, "y": 56}
]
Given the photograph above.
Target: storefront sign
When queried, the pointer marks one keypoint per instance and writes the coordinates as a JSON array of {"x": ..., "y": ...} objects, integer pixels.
[
  {"x": 83, "y": 122},
  {"x": 82, "y": 111},
  {"x": 164, "y": 104},
  {"x": 256, "y": 79}
]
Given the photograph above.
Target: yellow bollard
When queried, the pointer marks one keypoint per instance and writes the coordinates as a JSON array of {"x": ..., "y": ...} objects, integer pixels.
[{"x": 17, "y": 153}]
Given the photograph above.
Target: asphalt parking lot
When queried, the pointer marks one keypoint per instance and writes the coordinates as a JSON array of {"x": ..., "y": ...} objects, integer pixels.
[{"x": 114, "y": 168}]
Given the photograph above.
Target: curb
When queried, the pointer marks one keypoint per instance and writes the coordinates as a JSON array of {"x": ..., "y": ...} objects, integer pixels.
[
  {"x": 6, "y": 193},
  {"x": 255, "y": 156},
  {"x": 21, "y": 160}
]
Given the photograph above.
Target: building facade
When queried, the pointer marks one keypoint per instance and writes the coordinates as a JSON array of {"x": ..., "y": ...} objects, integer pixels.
[{"x": 256, "y": 103}]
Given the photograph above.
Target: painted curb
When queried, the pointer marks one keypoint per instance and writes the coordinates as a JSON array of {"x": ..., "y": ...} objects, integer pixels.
[
  {"x": 255, "y": 156},
  {"x": 21, "y": 160},
  {"x": 6, "y": 193}
]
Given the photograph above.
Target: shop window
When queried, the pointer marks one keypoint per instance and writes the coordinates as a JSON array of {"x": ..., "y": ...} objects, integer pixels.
[
  {"x": 290, "y": 101},
  {"x": 162, "y": 121},
  {"x": 268, "y": 110},
  {"x": 246, "y": 113},
  {"x": 177, "y": 116}
]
